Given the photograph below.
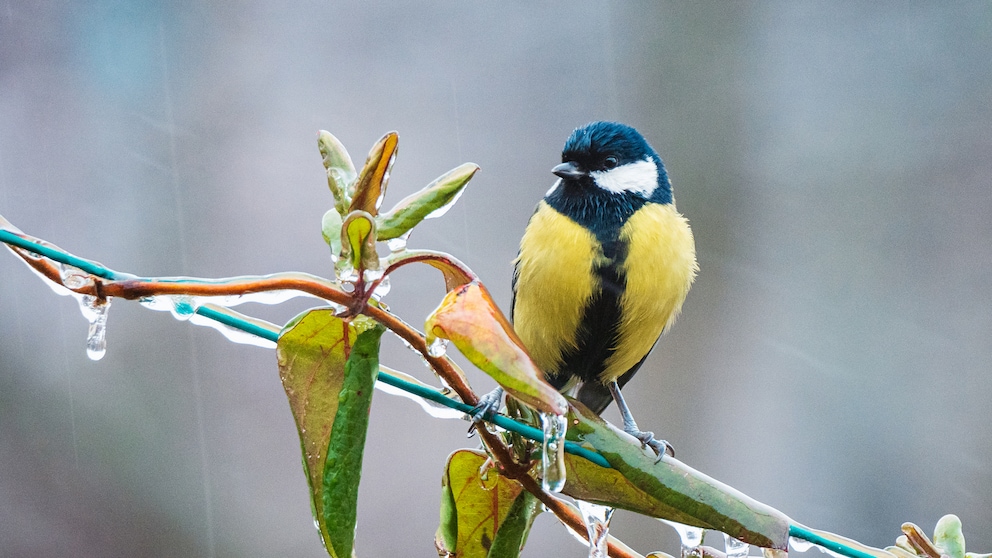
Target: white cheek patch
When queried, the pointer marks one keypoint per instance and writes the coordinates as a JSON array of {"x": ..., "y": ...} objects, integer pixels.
[
  {"x": 639, "y": 178},
  {"x": 553, "y": 188}
]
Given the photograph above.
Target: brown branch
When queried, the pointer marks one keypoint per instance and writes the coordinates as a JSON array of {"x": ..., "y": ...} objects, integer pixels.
[{"x": 455, "y": 273}]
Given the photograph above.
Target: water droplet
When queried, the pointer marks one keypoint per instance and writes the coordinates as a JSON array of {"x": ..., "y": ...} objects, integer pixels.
[
  {"x": 73, "y": 277},
  {"x": 345, "y": 271},
  {"x": 597, "y": 519},
  {"x": 95, "y": 312},
  {"x": 398, "y": 244},
  {"x": 183, "y": 307},
  {"x": 371, "y": 275},
  {"x": 348, "y": 286},
  {"x": 437, "y": 347},
  {"x": 382, "y": 289},
  {"x": 691, "y": 537},
  {"x": 735, "y": 548},
  {"x": 553, "y": 452}
]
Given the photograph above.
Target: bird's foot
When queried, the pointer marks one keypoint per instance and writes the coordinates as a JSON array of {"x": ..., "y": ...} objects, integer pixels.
[
  {"x": 486, "y": 407},
  {"x": 647, "y": 439}
]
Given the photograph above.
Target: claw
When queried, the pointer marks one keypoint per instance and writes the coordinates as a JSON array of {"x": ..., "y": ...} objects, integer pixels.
[
  {"x": 660, "y": 447},
  {"x": 486, "y": 408},
  {"x": 647, "y": 439}
]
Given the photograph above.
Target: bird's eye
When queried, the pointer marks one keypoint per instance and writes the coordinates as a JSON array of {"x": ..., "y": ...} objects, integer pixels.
[{"x": 611, "y": 162}]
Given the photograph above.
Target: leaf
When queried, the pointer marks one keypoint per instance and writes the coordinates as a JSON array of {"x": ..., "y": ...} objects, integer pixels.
[
  {"x": 455, "y": 273},
  {"x": 370, "y": 186},
  {"x": 330, "y": 228},
  {"x": 433, "y": 201},
  {"x": 358, "y": 241},
  {"x": 475, "y": 506},
  {"x": 470, "y": 319},
  {"x": 513, "y": 531},
  {"x": 948, "y": 537},
  {"x": 324, "y": 381},
  {"x": 343, "y": 468},
  {"x": 667, "y": 489},
  {"x": 340, "y": 169}
]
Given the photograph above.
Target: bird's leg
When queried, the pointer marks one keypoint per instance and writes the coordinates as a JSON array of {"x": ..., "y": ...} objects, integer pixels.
[
  {"x": 647, "y": 439},
  {"x": 486, "y": 408}
]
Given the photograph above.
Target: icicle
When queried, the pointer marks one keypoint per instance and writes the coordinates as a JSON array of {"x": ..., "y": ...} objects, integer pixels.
[
  {"x": 735, "y": 548},
  {"x": 691, "y": 537},
  {"x": 95, "y": 312},
  {"x": 553, "y": 452},
  {"x": 597, "y": 520}
]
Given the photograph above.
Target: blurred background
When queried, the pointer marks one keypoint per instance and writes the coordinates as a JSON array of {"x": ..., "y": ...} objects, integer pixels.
[{"x": 833, "y": 356}]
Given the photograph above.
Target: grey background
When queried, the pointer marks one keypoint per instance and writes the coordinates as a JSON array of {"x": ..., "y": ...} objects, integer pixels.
[{"x": 833, "y": 160}]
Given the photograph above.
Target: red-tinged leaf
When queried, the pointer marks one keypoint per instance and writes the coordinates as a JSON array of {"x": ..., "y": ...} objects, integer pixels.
[
  {"x": 475, "y": 505},
  {"x": 470, "y": 319},
  {"x": 370, "y": 186},
  {"x": 327, "y": 367}
]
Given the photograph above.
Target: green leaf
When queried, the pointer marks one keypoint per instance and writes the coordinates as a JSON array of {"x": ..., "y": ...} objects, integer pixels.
[
  {"x": 948, "y": 537},
  {"x": 512, "y": 533},
  {"x": 343, "y": 467},
  {"x": 358, "y": 241},
  {"x": 340, "y": 170},
  {"x": 475, "y": 506},
  {"x": 324, "y": 364},
  {"x": 330, "y": 228},
  {"x": 667, "y": 489},
  {"x": 370, "y": 186},
  {"x": 433, "y": 201},
  {"x": 470, "y": 319}
]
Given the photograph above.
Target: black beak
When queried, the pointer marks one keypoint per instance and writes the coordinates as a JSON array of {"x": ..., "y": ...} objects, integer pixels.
[{"x": 569, "y": 170}]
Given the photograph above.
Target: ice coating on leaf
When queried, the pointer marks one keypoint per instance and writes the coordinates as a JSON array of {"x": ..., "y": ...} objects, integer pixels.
[
  {"x": 470, "y": 319},
  {"x": 330, "y": 229},
  {"x": 370, "y": 186},
  {"x": 429, "y": 203},
  {"x": 735, "y": 548},
  {"x": 948, "y": 537},
  {"x": 439, "y": 212},
  {"x": 95, "y": 311},
  {"x": 553, "y": 451},
  {"x": 597, "y": 520}
]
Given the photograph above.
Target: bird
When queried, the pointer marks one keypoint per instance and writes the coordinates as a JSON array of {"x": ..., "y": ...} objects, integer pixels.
[{"x": 604, "y": 266}]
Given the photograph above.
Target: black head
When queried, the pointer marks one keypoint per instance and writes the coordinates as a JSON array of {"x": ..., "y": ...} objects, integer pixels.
[{"x": 615, "y": 158}]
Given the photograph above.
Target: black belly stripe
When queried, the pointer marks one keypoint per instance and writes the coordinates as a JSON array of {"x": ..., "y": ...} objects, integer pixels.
[{"x": 601, "y": 322}]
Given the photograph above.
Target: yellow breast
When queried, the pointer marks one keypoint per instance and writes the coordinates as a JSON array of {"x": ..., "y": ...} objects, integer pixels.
[
  {"x": 659, "y": 269},
  {"x": 554, "y": 284}
]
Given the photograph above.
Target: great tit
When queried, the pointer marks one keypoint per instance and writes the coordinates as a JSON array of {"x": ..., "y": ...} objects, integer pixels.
[{"x": 604, "y": 266}]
